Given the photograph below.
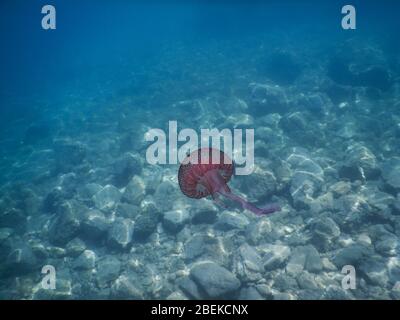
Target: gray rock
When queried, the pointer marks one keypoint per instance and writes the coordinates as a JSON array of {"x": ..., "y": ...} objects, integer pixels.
[
  {"x": 391, "y": 173},
  {"x": 75, "y": 247},
  {"x": 274, "y": 256},
  {"x": 189, "y": 287},
  {"x": 85, "y": 261},
  {"x": 21, "y": 260},
  {"x": 145, "y": 225},
  {"x": 248, "y": 264},
  {"x": 388, "y": 245},
  {"x": 374, "y": 272},
  {"x": 126, "y": 210},
  {"x": 261, "y": 183},
  {"x": 284, "y": 282},
  {"x": 124, "y": 289},
  {"x": 206, "y": 212},
  {"x": 173, "y": 221},
  {"x": 135, "y": 191},
  {"x": 215, "y": 280},
  {"x": 259, "y": 232},
  {"x": 126, "y": 167},
  {"x": 94, "y": 225},
  {"x": 306, "y": 281},
  {"x": 120, "y": 234},
  {"x": 62, "y": 291},
  {"x": 313, "y": 260},
  {"x": 250, "y": 293},
  {"x": 87, "y": 191},
  {"x": 324, "y": 232},
  {"x": 65, "y": 225},
  {"x": 108, "y": 269},
  {"x": 337, "y": 293},
  {"x": 304, "y": 257},
  {"x": 307, "y": 178},
  {"x": 107, "y": 198},
  {"x": 350, "y": 255},
  {"x": 267, "y": 98},
  {"x": 360, "y": 163},
  {"x": 231, "y": 220}
]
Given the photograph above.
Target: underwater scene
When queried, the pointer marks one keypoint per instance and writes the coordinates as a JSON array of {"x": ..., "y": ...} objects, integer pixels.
[{"x": 108, "y": 184}]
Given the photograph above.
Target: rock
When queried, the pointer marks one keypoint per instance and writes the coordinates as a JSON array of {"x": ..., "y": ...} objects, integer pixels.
[
  {"x": 206, "y": 212},
  {"x": 307, "y": 178},
  {"x": 107, "y": 198},
  {"x": 374, "y": 272},
  {"x": 189, "y": 287},
  {"x": 284, "y": 282},
  {"x": 350, "y": 255},
  {"x": 87, "y": 191},
  {"x": 165, "y": 192},
  {"x": 324, "y": 231},
  {"x": 274, "y": 255},
  {"x": 313, "y": 260},
  {"x": 21, "y": 260},
  {"x": 126, "y": 210},
  {"x": 306, "y": 281},
  {"x": 391, "y": 173},
  {"x": 248, "y": 264},
  {"x": 388, "y": 245},
  {"x": 94, "y": 225},
  {"x": 85, "y": 261},
  {"x": 336, "y": 293},
  {"x": 65, "y": 225},
  {"x": 145, "y": 225},
  {"x": 215, "y": 280},
  {"x": 124, "y": 289},
  {"x": 173, "y": 221},
  {"x": 135, "y": 191},
  {"x": 108, "y": 269},
  {"x": 359, "y": 164},
  {"x": 250, "y": 293},
  {"x": 196, "y": 246},
  {"x": 231, "y": 220},
  {"x": 62, "y": 291},
  {"x": 177, "y": 295},
  {"x": 260, "y": 184},
  {"x": 340, "y": 188},
  {"x": 304, "y": 257},
  {"x": 120, "y": 234},
  {"x": 126, "y": 167},
  {"x": 265, "y": 98},
  {"x": 75, "y": 247},
  {"x": 259, "y": 232}
]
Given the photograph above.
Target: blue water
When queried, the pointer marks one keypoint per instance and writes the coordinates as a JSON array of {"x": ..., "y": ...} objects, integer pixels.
[{"x": 76, "y": 102}]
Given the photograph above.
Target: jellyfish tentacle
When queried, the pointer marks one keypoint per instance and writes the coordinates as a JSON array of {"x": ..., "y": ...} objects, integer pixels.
[{"x": 247, "y": 205}]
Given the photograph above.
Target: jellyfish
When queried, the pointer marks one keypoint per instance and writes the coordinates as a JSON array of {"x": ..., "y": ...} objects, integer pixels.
[{"x": 199, "y": 176}]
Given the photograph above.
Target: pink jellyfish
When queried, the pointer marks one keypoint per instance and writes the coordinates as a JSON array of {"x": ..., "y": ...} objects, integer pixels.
[{"x": 200, "y": 176}]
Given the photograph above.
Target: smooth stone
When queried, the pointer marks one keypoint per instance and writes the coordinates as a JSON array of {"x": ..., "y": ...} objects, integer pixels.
[
  {"x": 215, "y": 280},
  {"x": 231, "y": 220},
  {"x": 85, "y": 261},
  {"x": 94, "y": 225},
  {"x": 173, "y": 221},
  {"x": 124, "y": 289},
  {"x": 135, "y": 191},
  {"x": 274, "y": 255},
  {"x": 120, "y": 234},
  {"x": 108, "y": 269},
  {"x": 107, "y": 198}
]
